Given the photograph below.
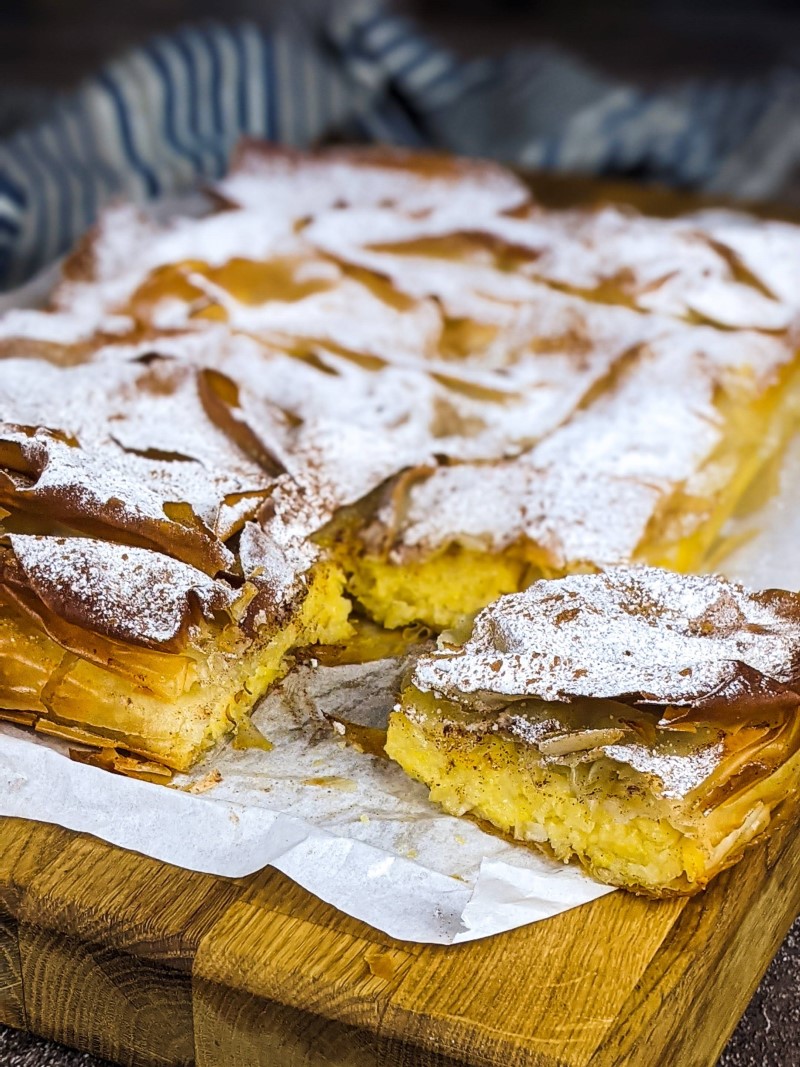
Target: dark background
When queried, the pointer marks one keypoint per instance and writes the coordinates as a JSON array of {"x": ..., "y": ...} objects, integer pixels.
[
  {"x": 54, "y": 42},
  {"x": 51, "y": 44}
]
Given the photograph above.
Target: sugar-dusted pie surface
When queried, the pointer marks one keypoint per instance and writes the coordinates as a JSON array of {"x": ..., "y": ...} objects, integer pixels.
[
  {"x": 639, "y": 635},
  {"x": 369, "y": 382}
]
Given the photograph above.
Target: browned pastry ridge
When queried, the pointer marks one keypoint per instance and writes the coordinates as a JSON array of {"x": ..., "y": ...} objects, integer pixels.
[
  {"x": 369, "y": 383},
  {"x": 642, "y": 721}
]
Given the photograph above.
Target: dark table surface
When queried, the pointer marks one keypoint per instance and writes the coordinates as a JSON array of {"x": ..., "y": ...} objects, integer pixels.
[{"x": 646, "y": 42}]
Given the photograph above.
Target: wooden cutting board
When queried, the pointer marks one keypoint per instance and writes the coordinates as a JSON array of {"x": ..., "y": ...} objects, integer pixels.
[{"x": 144, "y": 963}]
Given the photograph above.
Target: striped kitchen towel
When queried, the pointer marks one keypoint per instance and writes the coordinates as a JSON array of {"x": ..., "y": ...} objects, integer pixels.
[{"x": 165, "y": 116}]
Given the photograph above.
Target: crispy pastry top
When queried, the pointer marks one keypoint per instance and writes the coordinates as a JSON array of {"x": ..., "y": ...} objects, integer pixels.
[
  {"x": 638, "y": 635},
  {"x": 211, "y": 389}
]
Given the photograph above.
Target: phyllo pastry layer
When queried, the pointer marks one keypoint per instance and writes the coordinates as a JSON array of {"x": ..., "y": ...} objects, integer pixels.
[
  {"x": 125, "y": 648},
  {"x": 643, "y": 722}
]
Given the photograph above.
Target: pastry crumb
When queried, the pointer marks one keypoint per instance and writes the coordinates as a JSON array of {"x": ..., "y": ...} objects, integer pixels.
[
  {"x": 333, "y": 781},
  {"x": 205, "y": 783}
]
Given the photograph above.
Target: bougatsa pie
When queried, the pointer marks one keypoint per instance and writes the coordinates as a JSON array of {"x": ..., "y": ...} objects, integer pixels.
[
  {"x": 368, "y": 383},
  {"x": 642, "y": 721}
]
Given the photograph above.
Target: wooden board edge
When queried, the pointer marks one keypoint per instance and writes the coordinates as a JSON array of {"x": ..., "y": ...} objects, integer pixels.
[
  {"x": 12, "y": 999},
  {"x": 241, "y": 1030},
  {"x": 711, "y": 963},
  {"x": 108, "y": 1003}
]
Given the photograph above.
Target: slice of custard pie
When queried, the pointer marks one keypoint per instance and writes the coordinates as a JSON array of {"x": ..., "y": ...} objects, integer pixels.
[
  {"x": 123, "y": 648},
  {"x": 142, "y": 606},
  {"x": 641, "y": 721}
]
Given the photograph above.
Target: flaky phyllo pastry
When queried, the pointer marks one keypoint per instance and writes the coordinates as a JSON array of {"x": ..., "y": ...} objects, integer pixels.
[
  {"x": 642, "y": 721},
  {"x": 367, "y": 384}
]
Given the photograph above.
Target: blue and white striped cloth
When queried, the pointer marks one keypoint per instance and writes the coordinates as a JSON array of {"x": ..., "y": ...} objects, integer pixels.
[{"x": 167, "y": 115}]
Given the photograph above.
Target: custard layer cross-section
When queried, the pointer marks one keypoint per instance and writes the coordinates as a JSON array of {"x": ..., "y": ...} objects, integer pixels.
[{"x": 643, "y": 722}]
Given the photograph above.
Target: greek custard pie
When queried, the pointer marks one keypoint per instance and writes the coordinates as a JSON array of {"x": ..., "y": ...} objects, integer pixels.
[
  {"x": 366, "y": 383},
  {"x": 642, "y": 721},
  {"x": 142, "y": 606}
]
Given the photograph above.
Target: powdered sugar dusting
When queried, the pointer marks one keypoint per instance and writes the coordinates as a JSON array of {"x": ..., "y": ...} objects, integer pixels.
[
  {"x": 681, "y": 267},
  {"x": 303, "y": 182},
  {"x": 678, "y": 772},
  {"x": 131, "y": 594},
  {"x": 587, "y": 492},
  {"x": 640, "y": 634}
]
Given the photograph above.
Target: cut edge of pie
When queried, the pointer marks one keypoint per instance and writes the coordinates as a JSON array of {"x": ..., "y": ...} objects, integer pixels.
[
  {"x": 641, "y": 722},
  {"x": 68, "y": 675}
]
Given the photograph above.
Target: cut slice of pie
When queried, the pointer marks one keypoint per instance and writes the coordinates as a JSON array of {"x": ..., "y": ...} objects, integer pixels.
[
  {"x": 644, "y": 722},
  {"x": 142, "y": 606},
  {"x": 123, "y": 647}
]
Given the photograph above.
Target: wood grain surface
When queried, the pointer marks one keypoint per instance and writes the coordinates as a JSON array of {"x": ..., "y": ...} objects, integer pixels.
[{"x": 146, "y": 964}]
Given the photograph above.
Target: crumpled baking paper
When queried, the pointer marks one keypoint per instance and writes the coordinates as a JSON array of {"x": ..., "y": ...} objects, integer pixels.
[{"x": 348, "y": 826}]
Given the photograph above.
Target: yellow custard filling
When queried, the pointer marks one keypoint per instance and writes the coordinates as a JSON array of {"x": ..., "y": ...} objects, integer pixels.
[
  {"x": 440, "y": 591},
  {"x": 169, "y": 707},
  {"x": 609, "y": 817}
]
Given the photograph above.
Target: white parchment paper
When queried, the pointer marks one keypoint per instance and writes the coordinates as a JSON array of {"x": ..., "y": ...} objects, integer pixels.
[{"x": 350, "y": 827}]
